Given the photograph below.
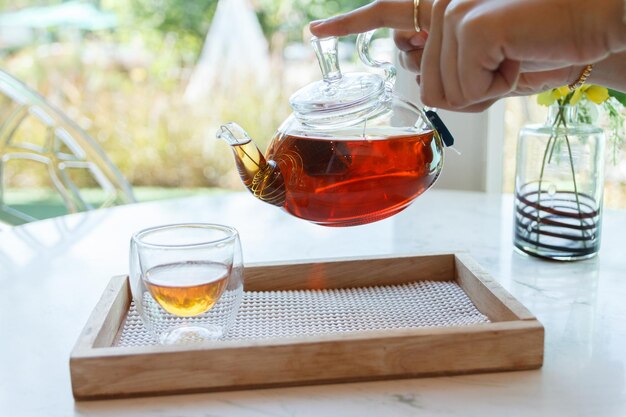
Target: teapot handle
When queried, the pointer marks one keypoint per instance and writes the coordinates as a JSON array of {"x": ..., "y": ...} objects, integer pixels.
[{"x": 363, "y": 41}]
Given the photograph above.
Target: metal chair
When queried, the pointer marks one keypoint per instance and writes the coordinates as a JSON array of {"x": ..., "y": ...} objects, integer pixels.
[{"x": 33, "y": 132}]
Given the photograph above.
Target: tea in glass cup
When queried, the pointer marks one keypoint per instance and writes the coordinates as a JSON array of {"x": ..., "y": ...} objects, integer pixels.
[{"x": 187, "y": 280}]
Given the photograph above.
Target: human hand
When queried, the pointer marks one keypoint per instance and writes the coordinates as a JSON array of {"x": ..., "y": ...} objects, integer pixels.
[
  {"x": 534, "y": 76},
  {"x": 474, "y": 87},
  {"x": 481, "y": 50}
]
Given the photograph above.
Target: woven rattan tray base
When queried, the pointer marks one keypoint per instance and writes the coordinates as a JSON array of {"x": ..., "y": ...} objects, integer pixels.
[{"x": 319, "y": 322}]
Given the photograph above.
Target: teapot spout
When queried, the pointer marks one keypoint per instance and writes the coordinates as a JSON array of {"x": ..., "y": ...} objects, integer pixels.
[{"x": 263, "y": 178}]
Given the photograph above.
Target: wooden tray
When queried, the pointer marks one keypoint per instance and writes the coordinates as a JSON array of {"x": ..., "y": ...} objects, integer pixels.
[{"x": 512, "y": 340}]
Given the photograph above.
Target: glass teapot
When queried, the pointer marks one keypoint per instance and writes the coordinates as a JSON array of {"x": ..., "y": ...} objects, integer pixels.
[{"x": 351, "y": 153}]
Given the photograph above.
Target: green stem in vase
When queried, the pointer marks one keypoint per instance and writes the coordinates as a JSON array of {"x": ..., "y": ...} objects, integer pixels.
[
  {"x": 559, "y": 122},
  {"x": 547, "y": 159},
  {"x": 563, "y": 122},
  {"x": 580, "y": 213},
  {"x": 543, "y": 166}
]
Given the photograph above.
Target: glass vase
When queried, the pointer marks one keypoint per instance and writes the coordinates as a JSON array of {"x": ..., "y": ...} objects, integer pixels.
[{"x": 559, "y": 185}]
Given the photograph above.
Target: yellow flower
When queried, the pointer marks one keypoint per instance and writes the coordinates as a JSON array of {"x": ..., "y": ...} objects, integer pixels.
[
  {"x": 560, "y": 92},
  {"x": 545, "y": 98},
  {"x": 578, "y": 94},
  {"x": 596, "y": 93},
  {"x": 591, "y": 92},
  {"x": 550, "y": 96}
]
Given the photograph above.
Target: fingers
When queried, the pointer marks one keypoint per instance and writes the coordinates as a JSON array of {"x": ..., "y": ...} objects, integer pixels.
[
  {"x": 464, "y": 62},
  {"x": 411, "y": 61},
  {"x": 473, "y": 108},
  {"x": 409, "y": 40},
  {"x": 532, "y": 83},
  {"x": 536, "y": 82},
  {"x": 452, "y": 89},
  {"x": 478, "y": 107},
  {"x": 432, "y": 91},
  {"x": 381, "y": 13},
  {"x": 411, "y": 46},
  {"x": 491, "y": 75}
]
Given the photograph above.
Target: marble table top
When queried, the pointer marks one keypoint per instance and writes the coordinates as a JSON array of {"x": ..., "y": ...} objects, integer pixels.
[{"x": 53, "y": 272}]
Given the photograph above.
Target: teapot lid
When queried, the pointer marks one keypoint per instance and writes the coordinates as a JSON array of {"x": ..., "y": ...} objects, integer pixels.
[{"x": 340, "y": 98}]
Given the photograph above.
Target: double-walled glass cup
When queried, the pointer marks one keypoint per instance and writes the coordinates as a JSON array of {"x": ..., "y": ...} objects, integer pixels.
[{"x": 186, "y": 280}]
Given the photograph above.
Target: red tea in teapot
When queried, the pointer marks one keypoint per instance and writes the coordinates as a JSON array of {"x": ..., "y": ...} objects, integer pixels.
[{"x": 345, "y": 182}]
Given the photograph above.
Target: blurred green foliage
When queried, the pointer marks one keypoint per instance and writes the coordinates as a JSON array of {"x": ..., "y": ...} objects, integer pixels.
[
  {"x": 191, "y": 19},
  {"x": 154, "y": 20},
  {"x": 7, "y": 5}
]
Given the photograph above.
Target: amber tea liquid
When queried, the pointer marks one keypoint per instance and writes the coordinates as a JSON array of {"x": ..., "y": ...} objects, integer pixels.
[
  {"x": 188, "y": 288},
  {"x": 347, "y": 182}
]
